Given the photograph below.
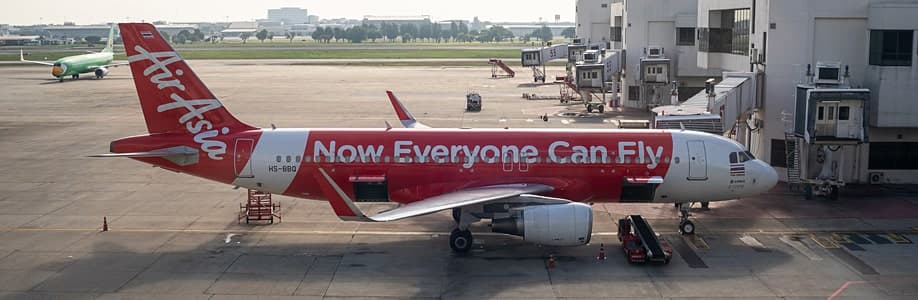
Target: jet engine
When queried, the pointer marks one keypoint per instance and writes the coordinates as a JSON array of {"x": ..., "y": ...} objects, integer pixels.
[
  {"x": 101, "y": 72},
  {"x": 568, "y": 224}
]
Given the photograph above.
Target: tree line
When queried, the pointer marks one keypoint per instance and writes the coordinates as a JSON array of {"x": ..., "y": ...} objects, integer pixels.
[{"x": 425, "y": 31}]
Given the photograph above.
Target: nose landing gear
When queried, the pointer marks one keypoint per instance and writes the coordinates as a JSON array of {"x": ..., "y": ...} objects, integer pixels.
[{"x": 686, "y": 227}]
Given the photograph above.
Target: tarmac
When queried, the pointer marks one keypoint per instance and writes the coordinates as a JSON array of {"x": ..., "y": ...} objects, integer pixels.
[{"x": 172, "y": 236}]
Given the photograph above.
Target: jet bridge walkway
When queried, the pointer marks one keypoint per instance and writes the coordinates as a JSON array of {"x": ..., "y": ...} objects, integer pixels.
[{"x": 648, "y": 238}]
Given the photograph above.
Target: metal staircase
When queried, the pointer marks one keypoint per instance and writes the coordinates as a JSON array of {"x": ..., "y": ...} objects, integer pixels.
[{"x": 792, "y": 154}]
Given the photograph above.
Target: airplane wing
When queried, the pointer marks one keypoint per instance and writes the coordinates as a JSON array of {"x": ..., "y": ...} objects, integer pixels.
[
  {"x": 93, "y": 68},
  {"x": 22, "y": 59},
  {"x": 346, "y": 209},
  {"x": 403, "y": 114}
]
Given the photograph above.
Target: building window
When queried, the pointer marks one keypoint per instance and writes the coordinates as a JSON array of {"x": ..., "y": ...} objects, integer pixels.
[
  {"x": 615, "y": 34},
  {"x": 893, "y": 156},
  {"x": 685, "y": 36},
  {"x": 733, "y": 35},
  {"x": 604, "y": 5},
  {"x": 634, "y": 93},
  {"x": 844, "y": 113},
  {"x": 778, "y": 153},
  {"x": 891, "y": 47}
]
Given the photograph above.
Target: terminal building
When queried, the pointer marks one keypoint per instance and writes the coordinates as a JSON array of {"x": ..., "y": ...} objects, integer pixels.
[
  {"x": 398, "y": 20},
  {"x": 821, "y": 89},
  {"x": 288, "y": 15}
]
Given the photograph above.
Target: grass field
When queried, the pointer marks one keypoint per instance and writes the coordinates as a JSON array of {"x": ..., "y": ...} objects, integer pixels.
[{"x": 306, "y": 54}]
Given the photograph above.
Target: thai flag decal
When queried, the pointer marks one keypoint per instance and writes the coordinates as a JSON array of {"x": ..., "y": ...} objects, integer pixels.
[
  {"x": 146, "y": 34},
  {"x": 738, "y": 169}
]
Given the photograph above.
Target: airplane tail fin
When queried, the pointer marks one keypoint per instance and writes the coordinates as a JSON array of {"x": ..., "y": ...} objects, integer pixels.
[
  {"x": 172, "y": 97},
  {"x": 111, "y": 41}
]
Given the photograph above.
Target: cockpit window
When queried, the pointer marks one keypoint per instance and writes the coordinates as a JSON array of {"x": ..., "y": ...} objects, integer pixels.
[
  {"x": 740, "y": 157},
  {"x": 749, "y": 155},
  {"x": 57, "y": 64}
]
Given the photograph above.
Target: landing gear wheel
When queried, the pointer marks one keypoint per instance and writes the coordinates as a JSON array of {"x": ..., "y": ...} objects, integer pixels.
[
  {"x": 808, "y": 192},
  {"x": 76, "y": 76},
  {"x": 460, "y": 240},
  {"x": 60, "y": 79},
  {"x": 833, "y": 193},
  {"x": 705, "y": 205},
  {"x": 687, "y": 227},
  {"x": 589, "y": 108},
  {"x": 602, "y": 109}
]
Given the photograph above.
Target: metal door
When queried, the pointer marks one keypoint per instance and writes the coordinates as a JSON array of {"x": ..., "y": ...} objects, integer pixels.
[
  {"x": 698, "y": 164},
  {"x": 241, "y": 156}
]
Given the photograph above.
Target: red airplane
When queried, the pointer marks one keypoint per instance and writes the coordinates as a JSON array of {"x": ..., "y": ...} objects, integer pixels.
[{"x": 532, "y": 183}]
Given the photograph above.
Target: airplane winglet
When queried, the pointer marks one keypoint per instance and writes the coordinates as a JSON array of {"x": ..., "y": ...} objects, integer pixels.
[{"x": 403, "y": 114}]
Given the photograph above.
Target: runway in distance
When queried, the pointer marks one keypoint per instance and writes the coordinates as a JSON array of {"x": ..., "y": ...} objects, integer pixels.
[
  {"x": 533, "y": 183},
  {"x": 97, "y": 63}
]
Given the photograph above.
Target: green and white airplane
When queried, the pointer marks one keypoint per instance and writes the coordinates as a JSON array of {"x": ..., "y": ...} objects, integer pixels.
[{"x": 73, "y": 66}]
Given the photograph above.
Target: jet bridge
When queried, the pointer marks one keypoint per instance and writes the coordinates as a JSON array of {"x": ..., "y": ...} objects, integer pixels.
[
  {"x": 720, "y": 109},
  {"x": 536, "y": 58},
  {"x": 596, "y": 76}
]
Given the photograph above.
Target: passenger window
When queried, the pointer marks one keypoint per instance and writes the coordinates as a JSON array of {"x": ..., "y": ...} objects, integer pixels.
[
  {"x": 733, "y": 159},
  {"x": 288, "y": 158},
  {"x": 844, "y": 113},
  {"x": 278, "y": 158},
  {"x": 298, "y": 158},
  {"x": 831, "y": 113}
]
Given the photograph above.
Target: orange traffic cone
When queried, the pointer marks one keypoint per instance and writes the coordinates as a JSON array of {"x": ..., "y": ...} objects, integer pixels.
[
  {"x": 551, "y": 262},
  {"x": 104, "y": 224},
  {"x": 602, "y": 252}
]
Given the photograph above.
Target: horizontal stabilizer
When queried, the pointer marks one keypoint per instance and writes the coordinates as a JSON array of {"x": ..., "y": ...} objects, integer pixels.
[{"x": 181, "y": 155}]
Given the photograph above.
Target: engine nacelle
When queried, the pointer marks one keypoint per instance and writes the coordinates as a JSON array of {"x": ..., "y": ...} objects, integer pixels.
[
  {"x": 101, "y": 72},
  {"x": 568, "y": 224}
]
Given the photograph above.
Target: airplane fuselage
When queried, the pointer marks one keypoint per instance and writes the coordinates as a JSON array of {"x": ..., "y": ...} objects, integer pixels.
[
  {"x": 80, "y": 64},
  {"x": 583, "y": 165}
]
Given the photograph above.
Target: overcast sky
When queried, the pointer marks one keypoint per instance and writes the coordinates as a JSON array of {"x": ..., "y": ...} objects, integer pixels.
[{"x": 99, "y": 11}]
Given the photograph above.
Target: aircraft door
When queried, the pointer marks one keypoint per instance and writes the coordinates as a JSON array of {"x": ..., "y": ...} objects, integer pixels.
[
  {"x": 241, "y": 156},
  {"x": 698, "y": 165},
  {"x": 507, "y": 163},
  {"x": 826, "y": 119}
]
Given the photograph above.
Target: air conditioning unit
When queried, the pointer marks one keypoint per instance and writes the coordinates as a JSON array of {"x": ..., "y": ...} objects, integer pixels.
[{"x": 876, "y": 177}]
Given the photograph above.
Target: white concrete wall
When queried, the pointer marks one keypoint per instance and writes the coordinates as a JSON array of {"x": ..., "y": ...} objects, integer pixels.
[
  {"x": 807, "y": 32},
  {"x": 593, "y": 20},
  {"x": 653, "y": 23},
  {"x": 894, "y": 88}
]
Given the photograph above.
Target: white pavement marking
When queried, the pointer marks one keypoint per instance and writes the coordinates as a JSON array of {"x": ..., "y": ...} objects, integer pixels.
[
  {"x": 800, "y": 247},
  {"x": 229, "y": 238},
  {"x": 751, "y": 241}
]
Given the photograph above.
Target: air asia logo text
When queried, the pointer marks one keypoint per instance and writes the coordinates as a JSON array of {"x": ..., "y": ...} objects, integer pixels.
[
  {"x": 194, "y": 119},
  {"x": 559, "y": 152}
]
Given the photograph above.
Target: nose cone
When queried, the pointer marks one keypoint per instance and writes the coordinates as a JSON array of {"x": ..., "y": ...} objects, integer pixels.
[
  {"x": 58, "y": 70},
  {"x": 767, "y": 177}
]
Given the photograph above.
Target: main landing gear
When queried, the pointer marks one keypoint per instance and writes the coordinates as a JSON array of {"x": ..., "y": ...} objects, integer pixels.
[
  {"x": 460, "y": 239},
  {"x": 686, "y": 227},
  {"x": 75, "y": 76}
]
